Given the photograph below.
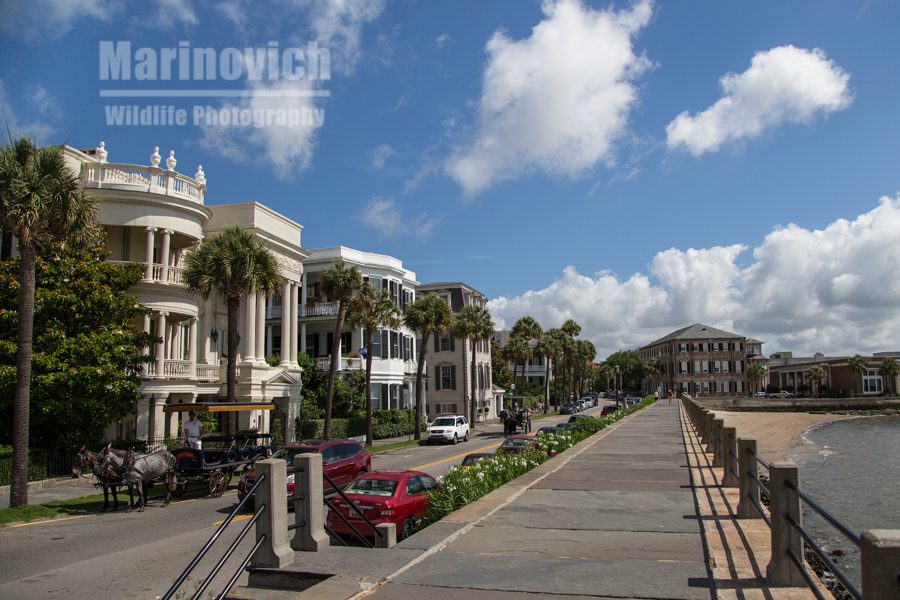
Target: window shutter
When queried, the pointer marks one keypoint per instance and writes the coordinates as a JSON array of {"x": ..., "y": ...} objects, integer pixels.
[
  {"x": 453, "y": 376},
  {"x": 385, "y": 398},
  {"x": 315, "y": 345},
  {"x": 330, "y": 343},
  {"x": 437, "y": 343},
  {"x": 452, "y": 345},
  {"x": 384, "y": 344},
  {"x": 437, "y": 379}
]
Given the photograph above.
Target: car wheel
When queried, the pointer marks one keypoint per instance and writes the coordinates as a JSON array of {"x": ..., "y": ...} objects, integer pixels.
[
  {"x": 466, "y": 437},
  {"x": 455, "y": 439},
  {"x": 407, "y": 530}
]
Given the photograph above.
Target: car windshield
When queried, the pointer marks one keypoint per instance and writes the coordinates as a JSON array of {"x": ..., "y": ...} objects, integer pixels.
[
  {"x": 372, "y": 487},
  {"x": 515, "y": 442},
  {"x": 444, "y": 422},
  {"x": 471, "y": 460},
  {"x": 288, "y": 454}
]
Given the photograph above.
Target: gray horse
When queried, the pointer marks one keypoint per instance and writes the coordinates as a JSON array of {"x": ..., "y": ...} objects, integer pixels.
[
  {"x": 107, "y": 468},
  {"x": 143, "y": 470}
]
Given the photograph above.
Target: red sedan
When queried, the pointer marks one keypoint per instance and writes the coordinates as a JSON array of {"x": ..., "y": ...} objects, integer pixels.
[
  {"x": 396, "y": 497},
  {"x": 515, "y": 444},
  {"x": 342, "y": 462}
]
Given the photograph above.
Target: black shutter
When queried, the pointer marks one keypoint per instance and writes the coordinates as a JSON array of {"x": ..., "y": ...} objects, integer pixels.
[
  {"x": 385, "y": 397},
  {"x": 437, "y": 343},
  {"x": 437, "y": 379},
  {"x": 315, "y": 345},
  {"x": 384, "y": 343},
  {"x": 452, "y": 344},
  {"x": 330, "y": 339},
  {"x": 453, "y": 377}
]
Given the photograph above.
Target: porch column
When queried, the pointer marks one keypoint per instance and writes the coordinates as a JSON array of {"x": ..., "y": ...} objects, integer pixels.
[
  {"x": 286, "y": 324},
  {"x": 157, "y": 427},
  {"x": 164, "y": 259},
  {"x": 303, "y": 338},
  {"x": 161, "y": 346},
  {"x": 270, "y": 343},
  {"x": 303, "y": 291},
  {"x": 261, "y": 328},
  {"x": 250, "y": 329},
  {"x": 142, "y": 417},
  {"x": 148, "y": 272},
  {"x": 192, "y": 346},
  {"x": 208, "y": 346},
  {"x": 146, "y": 330},
  {"x": 295, "y": 293}
]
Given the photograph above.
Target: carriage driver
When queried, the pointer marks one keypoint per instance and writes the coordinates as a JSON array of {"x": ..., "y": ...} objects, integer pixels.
[{"x": 193, "y": 428}]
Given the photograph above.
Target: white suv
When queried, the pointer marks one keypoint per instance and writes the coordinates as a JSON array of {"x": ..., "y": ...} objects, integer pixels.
[{"x": 449, "y": 428}]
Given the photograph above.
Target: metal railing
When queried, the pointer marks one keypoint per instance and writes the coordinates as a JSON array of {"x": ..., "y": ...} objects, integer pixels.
[
  {"x": 349, "y": 504},
  {"x": 205, "y": 583},
  {"x": 880, "y": 569}
]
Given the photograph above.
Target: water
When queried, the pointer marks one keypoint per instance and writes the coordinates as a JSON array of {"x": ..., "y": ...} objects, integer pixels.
[{"x": 852, "y": 469}]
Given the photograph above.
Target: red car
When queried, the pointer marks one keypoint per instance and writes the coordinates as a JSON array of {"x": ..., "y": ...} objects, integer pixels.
[
  {"x": 515, "y": 443},
  {"x": 396, "y": 497},
  {"x": 608, "y": 410},
  {"x": 342, "y": 462}
]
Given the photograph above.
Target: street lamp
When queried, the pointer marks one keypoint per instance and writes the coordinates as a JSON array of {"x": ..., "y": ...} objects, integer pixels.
[{"x": 618, "y": 389}]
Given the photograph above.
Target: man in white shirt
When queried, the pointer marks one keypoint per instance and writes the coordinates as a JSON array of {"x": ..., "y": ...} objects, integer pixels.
[{"x": 193, "y": 428}]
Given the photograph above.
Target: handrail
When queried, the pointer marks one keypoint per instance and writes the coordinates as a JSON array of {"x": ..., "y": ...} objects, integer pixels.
[
  {"x": 806, "y": 576},
  {"x": 353, "y": 506},
  {"x": 218, "y": 566},
  {"x": 825, "y": 559},
  {"x": 825, "y": 514},
  {"x": 243, "y": 566},
  {"x": 212, "y": 540}
]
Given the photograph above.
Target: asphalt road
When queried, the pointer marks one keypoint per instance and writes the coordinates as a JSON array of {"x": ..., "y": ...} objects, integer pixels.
[{"x": 118, "y": 555}]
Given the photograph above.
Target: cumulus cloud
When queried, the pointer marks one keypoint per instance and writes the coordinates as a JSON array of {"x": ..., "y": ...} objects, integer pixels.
[
  {"x": 782, "y": 85},
  {"x": 337, "y": 25},
  {"x": 45, "y": 109},
  {"x": 38, "y": 18},
  {"x": 443, "y": 40},
  {"x": 378, "y": 157},
  {"x": 557, "y": 100},
  {"x": 833, "y": 290},
  {"x": 176, "y": 12},
  {"x": 384, "y": 216}
]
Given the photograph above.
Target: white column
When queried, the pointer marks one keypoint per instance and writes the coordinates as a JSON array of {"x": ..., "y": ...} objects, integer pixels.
[
  {"x": 157, "y": 425},
  {"x": 294, "y": 297},
  {"x": 303, "y": 338},
  {"x": 148, "y": 273},
  {"x": 147, "y": 330},
  {"x": 161, "y": 346},
  {"x": 249, "y": 335},
  {"x": 142, "y": 417},
  {"x": 208, "y": 346},
  {"x": 286, "y": 324},
  {"x": 269, "y": 341},
  {"x": 164, "y": 259},
  {"x": 261, "y": 328},
  {"x": 192, "y": 346}
]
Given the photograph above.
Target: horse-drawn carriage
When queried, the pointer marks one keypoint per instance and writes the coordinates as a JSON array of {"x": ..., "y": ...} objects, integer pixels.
[{"x": 219, "y": 458}]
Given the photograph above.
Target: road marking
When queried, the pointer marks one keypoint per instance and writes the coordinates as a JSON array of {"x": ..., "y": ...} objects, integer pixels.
[
  {"x": 234, "y": 520},
  {"x": 45, "y": 521},
  {"x": 443, "y": 460}
]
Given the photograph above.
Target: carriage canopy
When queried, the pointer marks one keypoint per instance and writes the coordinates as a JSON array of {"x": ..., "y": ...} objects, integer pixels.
[{"x": 218, "y": 407}]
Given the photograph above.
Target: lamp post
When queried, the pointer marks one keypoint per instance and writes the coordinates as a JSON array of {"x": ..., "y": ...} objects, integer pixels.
[{"x": 618, "y": 388}]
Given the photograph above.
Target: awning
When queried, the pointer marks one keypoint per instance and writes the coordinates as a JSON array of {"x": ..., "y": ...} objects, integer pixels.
[{"x": 218, "y": 407}]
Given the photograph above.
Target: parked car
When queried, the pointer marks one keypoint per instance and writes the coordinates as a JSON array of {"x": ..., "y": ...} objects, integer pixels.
[
  {"x": 562, "y": 426},
  {"x": 781, "y": 394},
  {"x": 567, "y": 409},
  {"x": 588, "y": 402},
  {"x": 515, "y": 444},
  {"x": 383, "y": 497},
  {"x": 608, "y": 410},
  {"x": 579, "y": 405},
  {"x": 547, "y": 430},
  {"x": 448, "y": 428},
  {"x": 342, "y": 462},
  {"x": 575, "y": 418},
  {"x": 470, "y": 459},
  {"x": 759, "y": 395}
]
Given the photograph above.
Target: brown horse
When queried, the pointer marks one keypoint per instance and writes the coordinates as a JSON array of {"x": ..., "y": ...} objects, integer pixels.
[{"x": 106, "y": 468}]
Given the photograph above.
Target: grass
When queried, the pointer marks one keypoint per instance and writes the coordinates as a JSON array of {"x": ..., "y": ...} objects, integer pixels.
[
  {"x": 379, "y": 448},
  {"x": 50, "y": 510}
]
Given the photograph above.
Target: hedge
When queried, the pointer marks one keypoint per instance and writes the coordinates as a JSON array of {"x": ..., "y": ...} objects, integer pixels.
[{"x": 385, "y": 424}]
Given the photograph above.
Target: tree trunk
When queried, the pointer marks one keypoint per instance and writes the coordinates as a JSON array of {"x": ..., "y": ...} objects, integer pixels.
[
  {"x": 547, "y": 384},
  {"x": 332, "y": 367},
  {"x": 369, "y": 432},
  {"x": 234, "y": 307},
  {"x": 474, "y": 381},
  {"x": 21, "y": 404},
  {"x": 420, "y": 398}
]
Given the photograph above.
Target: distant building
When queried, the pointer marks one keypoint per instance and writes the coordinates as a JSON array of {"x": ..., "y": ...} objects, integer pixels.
[
  {"x": 789, "y": 372},
  {"x": 702, "y": 361},
  {"x": 450, "y": 360},
  {"x": 535, "y": 367}
]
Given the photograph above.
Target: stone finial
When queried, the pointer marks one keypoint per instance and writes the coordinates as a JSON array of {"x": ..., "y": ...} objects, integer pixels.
[
  {"x": 154, "y": 158},
  {"x": 171, "y": 162},
  {"x": 101, "y": 151},
  {"x": 200, "y": 176}
]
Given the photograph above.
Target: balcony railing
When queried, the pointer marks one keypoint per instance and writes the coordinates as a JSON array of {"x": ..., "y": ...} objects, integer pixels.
[
  {"x": 323, "y": 363},
  {"x": 176, "y": 275},
  {"x": 177, "y": 369},
  {"x": 320, "y": 309},
  {"x": 273, "y": 312},
  {"x": 208, "y": 373},
  {"x": 141, "y": 178}
]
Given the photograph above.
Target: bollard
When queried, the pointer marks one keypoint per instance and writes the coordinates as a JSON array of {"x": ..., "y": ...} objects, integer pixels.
[
  {"x": 309, "y": 504},
  {"x": 717, "y": 442},
  {"x": 749, "y": 488},
  {"x": 880, "y": 550},
  {"x": 729, "y": 457},
  {"x": 388, "y": 537},
  {"x": 272, "y": 523},
  {"x": 709, "y": 439},
  {"x": 784, "y": 506}
]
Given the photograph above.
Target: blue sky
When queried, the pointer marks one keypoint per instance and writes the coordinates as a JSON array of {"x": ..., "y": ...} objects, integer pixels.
[{"x": 635, "y": 166}]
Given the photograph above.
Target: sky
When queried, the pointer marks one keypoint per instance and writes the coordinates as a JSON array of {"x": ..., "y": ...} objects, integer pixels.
[{"x": 635, "y": 166}]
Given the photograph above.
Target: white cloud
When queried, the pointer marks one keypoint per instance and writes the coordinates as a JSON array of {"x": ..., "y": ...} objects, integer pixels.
[
  {"x": 54, "y": 18},
  {"x": 378, "y": 157},
  {"x": 45, "y": 107},
  {"x": 443, "y": 41},
  {"x": 782, "y": 85},
  {"x": 833, "y": 290},
  {"x": 337, "y": 25},
  {"x": 384, "y": 216},
  {"x": 288, "y": 150},
  {"x": 176, "y": 12},
  {"x": 557, "y": 100}
]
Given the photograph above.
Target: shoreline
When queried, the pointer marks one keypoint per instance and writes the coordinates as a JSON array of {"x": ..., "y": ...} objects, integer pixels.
[{"x": 779, "y": 436}]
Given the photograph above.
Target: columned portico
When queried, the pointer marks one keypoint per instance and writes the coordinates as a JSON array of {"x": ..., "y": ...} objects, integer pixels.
[
  {"x": 261, "y": 328},
  {"x": 249, "y": 337},
  {"x": 164, "y": 255},
  {"x": 161, "y": 345},
  {"x": 295, "y": 293},
  {"x": 286, "y": 318},
  {"x": 148, "y": 272}
]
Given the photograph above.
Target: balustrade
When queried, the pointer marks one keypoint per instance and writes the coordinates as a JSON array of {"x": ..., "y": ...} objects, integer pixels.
[{"x": 142, "y": 178}]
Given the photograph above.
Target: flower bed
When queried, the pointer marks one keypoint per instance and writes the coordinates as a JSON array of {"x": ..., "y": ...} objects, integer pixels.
[{"x": 462, "y": 485}]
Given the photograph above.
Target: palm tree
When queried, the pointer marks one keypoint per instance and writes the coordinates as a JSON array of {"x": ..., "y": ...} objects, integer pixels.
[
  {"x": 517, "y": 350},
  {"x": 857, "y": 364},
  {"x": 585, "y": 353},
  {"x": 236, "y": 263},
  {"x": 474, "y": 323},
  {"x": 756, "y": 372},
  {"x": 551, "y": 346},
  {"x": 372, "y": 310},
  {"x": 341, "y": 283},
  {"x": 572, "y": 330},
  {"x": 816, "y": 374},
  {"x": 889, "y": 369},
  {"x": 41, "y": 202},
  {"x": 428, "y": 315}
]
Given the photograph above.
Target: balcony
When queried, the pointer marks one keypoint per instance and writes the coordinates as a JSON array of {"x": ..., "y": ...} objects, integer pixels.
[
  {"x": 141, "y": 179},
  {"x": 274, "y": 311},
  {"x": 175, "y": 275},
  {"x": 181, "y": 370},
  {"x": 323, "y": 363},
  {"x": 208, "y": 373},
  {"x": 319, "y": 309}
]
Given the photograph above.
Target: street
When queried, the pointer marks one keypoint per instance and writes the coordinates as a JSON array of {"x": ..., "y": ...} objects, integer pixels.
[{"x": 115, "y": 555}]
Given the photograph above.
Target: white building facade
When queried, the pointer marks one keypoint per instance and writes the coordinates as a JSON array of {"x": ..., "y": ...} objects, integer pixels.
[{"x": 155, "y": 216}]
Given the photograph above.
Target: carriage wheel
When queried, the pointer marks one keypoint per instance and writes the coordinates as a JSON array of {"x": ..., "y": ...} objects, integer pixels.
[
  {"x": 218, "y": 481},
  {"x": 180, "y": 489}
]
